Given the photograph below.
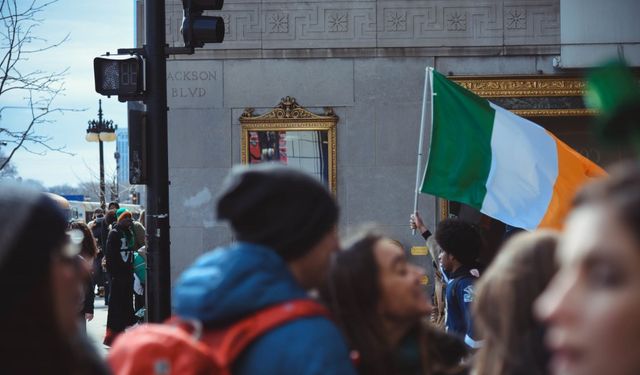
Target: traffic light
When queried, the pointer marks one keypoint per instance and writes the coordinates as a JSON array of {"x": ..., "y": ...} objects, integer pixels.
[
  {"x": 198, "y": 29},
  {"x": 121, "y": 75},
  {"x": 137, "y": 126}
]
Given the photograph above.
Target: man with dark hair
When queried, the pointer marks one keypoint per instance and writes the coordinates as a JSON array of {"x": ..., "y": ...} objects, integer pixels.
[
  {"x": 461, "y": 244},
  {"x": 285, "y": 224}
]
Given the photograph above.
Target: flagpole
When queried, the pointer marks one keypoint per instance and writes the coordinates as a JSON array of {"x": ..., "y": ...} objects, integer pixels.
[{"x": 427, "y": 75}]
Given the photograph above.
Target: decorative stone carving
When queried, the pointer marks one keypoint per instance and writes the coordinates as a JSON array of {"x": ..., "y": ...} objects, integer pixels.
[
  {"x": 279, "y": 23},
  {"x": 457, "y": 21},
  {"x": 327, "y": 24},
  {"x": 396, "y": 21},
  {"x": 338, "y": 22},
  {"x": 227, "y": 24},
  {"x": 516, "y": 18}
]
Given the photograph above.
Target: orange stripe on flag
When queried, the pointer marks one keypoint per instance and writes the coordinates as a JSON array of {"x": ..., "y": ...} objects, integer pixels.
[{"x": 574, "y": 170}]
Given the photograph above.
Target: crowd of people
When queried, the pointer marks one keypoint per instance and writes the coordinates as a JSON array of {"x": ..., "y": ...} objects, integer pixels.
[{"x": 549, "y": 303}]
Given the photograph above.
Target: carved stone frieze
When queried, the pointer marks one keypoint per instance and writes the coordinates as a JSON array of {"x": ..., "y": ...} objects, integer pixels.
[{"x": 322, "y": 24}]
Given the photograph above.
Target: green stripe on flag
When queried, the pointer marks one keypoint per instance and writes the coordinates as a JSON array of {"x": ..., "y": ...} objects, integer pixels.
[{"x": 460, "y": 151}]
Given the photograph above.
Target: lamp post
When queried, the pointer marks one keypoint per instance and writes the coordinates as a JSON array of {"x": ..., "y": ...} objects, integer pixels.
[{"x": 101, "y": 131}]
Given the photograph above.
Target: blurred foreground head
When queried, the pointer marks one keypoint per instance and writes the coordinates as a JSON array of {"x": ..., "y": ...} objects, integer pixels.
[
  {"x": 503, "y": 308},
  {"x": 592, "y": 305},
  {"x": 377, "y": 299},
  {"x": 613, "y": 90},
  {"x": 280, "y": 207},
  {"x": 286, "y": 210},
  {"x": 32, "y": 234},
  {"x": 37, "y": 286}
]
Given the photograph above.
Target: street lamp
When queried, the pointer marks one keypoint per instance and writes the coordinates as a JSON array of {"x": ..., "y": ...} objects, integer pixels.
[{"x": 101, "y": 131}]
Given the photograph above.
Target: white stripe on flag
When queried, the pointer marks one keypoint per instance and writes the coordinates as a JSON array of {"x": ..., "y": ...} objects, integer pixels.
[{"x": 524, "y": 167}]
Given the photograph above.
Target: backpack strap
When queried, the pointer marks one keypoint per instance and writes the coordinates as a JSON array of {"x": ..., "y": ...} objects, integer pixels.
[{"x": 229, "y": 342}]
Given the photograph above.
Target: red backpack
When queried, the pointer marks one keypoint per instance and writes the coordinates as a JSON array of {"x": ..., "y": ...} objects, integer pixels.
[{"x": 179, "y": 347}]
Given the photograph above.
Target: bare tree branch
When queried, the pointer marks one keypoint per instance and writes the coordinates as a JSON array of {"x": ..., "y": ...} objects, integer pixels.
[{"x": 36, "y": 88}]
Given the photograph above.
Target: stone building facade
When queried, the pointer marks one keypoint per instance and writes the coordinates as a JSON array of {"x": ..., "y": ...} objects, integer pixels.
[{"x": 366, "y": 60}]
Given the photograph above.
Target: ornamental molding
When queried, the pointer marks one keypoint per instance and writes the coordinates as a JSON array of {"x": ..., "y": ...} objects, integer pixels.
[
  {"x": 554, "y": 112},
  {"x": 339, "y": 24},
  {"x": 288, "y": 109},
  {"x": 523, "y": 86}
]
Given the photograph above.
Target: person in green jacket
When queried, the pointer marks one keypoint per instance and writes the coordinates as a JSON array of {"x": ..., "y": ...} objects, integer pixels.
[{"x": 140, "y": 280}]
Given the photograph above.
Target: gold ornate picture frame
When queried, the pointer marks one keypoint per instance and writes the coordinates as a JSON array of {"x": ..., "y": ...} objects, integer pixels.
[{"x": 292, "y": 135}]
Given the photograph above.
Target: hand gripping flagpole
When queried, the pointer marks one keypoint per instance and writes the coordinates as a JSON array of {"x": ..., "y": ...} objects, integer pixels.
[{"x": 427, "y": 86}]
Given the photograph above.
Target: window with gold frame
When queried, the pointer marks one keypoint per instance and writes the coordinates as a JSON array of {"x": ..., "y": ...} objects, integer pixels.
[{"x": 292, "y": 135}]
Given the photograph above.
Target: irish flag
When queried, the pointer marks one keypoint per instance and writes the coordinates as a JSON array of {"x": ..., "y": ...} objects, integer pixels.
[{"x": 506, "y": 166}]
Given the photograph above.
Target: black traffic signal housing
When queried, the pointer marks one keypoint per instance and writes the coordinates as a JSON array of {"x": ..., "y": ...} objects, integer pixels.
[
  {"x": 137, "y": 126},
  {"x": 121, "y": 75},
  {"x": 198, "y": 29}
]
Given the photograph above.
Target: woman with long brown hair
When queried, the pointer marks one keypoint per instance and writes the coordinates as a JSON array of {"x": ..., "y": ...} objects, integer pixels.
[
  {"x": 84, "y": 262},
  {"x": 377, "y": 299},
  {"x": 503, "y": 307}
]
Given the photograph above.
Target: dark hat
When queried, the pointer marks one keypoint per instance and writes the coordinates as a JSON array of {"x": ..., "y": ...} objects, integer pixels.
[
  {"x": 460, "y": 239},
  {"x": 277, "y": 206}
]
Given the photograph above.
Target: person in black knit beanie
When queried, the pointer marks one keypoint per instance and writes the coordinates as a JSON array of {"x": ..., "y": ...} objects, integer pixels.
[
  {"x": 284, "y": 221},
  {"x": 279, "y": 207}
]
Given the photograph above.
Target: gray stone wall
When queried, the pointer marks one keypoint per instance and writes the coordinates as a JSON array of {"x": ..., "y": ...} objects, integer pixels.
[
  {"x": 367, "y": 60},
  {"x": 378, "y": 101}
]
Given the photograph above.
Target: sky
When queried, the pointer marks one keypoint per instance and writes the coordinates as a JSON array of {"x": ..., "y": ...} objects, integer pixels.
[{"x": 94, "y": 27}]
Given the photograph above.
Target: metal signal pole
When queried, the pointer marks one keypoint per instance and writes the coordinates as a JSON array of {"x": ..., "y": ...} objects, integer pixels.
[{"x": 158, "y": 262}]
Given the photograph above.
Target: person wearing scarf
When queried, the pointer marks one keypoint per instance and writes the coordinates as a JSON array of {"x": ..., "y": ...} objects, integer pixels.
[{"x": 120, "y": 254}]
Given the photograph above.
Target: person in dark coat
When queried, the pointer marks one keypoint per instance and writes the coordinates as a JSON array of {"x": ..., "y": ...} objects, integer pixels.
[
  {"x": 119, "y": 256},
  {"x": 39, "y": 290}
]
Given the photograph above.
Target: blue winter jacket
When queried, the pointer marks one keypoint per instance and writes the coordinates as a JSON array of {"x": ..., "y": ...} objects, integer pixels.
[
  {"x": 460, "y": 294},
  {"x": 229, "y": 283}
]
